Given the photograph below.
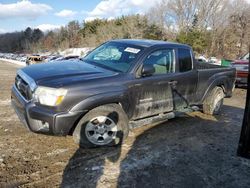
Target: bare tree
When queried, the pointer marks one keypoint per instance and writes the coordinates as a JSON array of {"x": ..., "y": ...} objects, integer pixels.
[{"x": 226, "y": 22}]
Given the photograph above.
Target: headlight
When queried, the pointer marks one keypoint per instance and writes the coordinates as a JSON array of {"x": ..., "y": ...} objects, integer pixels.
[{"x": 49, "y": 96}]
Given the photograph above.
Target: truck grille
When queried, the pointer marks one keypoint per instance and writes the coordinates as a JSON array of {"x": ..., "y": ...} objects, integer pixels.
[{"x": 23, "y": 88}]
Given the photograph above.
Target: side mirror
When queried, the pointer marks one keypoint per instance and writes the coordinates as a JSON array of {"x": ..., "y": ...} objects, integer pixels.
[{"x": 148, "y": 70}]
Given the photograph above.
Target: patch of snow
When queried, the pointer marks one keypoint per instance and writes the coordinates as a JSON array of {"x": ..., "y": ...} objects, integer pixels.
[
  {"x": 5, "y": 102},
  {"x": 13, "y": 61},
  {"x": 75, "y": 51}
]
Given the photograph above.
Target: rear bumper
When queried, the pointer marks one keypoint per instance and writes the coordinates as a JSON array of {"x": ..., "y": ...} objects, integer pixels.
[
  {"x": 241, "y": 81},
  {"x": 42, "y": 120},
  {"x": 241, "y": 77}
]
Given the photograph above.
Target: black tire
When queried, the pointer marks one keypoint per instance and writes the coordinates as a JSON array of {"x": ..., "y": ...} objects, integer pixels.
[
  {"x": 113, "y": 112},
  {"x": 214, "y": 101}
]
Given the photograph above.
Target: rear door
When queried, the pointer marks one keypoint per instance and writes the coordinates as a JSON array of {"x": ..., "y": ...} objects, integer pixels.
[{"x": 184, "y": 83}]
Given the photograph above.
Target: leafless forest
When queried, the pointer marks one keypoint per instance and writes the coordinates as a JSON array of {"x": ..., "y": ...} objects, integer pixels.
[{"x": 212, "y": 27}]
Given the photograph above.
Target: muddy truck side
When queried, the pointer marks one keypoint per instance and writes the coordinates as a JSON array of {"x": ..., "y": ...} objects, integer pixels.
[{"x": 120, "y": 85}]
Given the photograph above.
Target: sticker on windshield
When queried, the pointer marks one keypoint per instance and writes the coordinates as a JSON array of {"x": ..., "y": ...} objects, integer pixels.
[{"x": 132, "y": 50}]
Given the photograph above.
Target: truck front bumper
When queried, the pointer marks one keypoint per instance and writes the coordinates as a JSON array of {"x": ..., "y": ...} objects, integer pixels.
[{"x": 39, "y": 119}]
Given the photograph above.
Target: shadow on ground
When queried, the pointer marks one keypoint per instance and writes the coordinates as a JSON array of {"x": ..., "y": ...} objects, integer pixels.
[{"x": 192, "y": 151}]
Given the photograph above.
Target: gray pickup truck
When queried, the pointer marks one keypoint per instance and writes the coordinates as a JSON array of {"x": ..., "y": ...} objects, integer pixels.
[{"x": 120, "y": 85}]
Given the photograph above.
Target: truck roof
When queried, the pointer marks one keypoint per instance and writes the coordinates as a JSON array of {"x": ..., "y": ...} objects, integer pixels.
[{"x": 148, "y": 43}]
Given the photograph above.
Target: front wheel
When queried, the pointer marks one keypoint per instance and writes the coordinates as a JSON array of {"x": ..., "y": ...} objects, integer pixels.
[
  {"x": 105, "y": 125},
  {"x": 214, "y": 101}
]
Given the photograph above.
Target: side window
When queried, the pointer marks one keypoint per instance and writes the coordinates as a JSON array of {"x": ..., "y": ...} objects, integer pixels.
[
  {"x": 162, "y": 60},
  {"x": 185, "y": 60}
]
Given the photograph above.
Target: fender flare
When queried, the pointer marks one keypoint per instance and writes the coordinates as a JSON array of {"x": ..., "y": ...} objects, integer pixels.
[
  {"x": 89, "y": 103},
  {"x": 220, "y": 82}
]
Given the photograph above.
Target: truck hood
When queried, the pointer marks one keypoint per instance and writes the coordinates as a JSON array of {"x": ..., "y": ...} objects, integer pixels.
[{"x": 59, "y": 74}]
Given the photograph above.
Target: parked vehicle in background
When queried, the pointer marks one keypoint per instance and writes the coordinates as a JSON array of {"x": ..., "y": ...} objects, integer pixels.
[
  {"x": 245, "y": 57},
  {"x": 241, "y": 67},
  {"x": 202, "y": 59},
  {"x": 120, "y": 85},
  {"x": 12, "y": 56},
  {"x": 34, "y": 59},
  {"x": 226, "y": 62},
  {"x": 52, "y": 58},
  {"x": 213, "y": 60}
]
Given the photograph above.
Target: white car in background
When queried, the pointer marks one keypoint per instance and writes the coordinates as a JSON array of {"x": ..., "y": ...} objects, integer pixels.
[
  {"x": 245, "y": 57},
  {"x": 202, "y": 59},
  {"x": 214, "y": 60}
]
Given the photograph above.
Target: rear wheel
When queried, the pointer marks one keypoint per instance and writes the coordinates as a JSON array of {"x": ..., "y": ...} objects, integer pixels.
[
  {"x": 214, "y": 101},
  {"x": 103, "y": 126}
]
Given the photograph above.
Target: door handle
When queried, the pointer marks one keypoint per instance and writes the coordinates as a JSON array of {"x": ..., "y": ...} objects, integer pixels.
[{"x": 173, "y": 82}]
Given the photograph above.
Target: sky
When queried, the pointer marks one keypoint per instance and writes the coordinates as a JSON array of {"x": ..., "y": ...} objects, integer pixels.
[{"x": 16, "y": 15}]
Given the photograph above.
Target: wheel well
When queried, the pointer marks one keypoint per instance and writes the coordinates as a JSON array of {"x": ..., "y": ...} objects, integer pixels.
[
  {"x": 223, "y": 87},
  {"x": 76, "y": 122},
  {"x": 211, "y": 88}
]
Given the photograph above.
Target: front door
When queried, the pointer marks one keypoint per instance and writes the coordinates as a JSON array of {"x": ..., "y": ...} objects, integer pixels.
[{"x": 153, "y": 94}]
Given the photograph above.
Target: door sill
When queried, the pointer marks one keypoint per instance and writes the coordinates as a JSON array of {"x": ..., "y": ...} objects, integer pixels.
[{"x": 161, "y": 117}]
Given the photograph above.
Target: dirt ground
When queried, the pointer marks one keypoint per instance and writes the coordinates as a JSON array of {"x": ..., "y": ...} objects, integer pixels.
[{"x": 192, "y": 151}]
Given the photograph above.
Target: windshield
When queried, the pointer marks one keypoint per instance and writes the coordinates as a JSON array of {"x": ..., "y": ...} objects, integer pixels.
[{"x": 114, "y": 55}]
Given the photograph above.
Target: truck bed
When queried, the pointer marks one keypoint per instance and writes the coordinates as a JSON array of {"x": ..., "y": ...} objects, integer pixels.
[
  {"x": 208, "y": 66},
  {"x": 209, "y": 75}
]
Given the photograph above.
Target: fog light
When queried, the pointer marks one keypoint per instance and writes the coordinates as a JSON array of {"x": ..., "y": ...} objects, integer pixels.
[
  {"x": 39, "y": 126},
  {"x": 45, "y": 125}
]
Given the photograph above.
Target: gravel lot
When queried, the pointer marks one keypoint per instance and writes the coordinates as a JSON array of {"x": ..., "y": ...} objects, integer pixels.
[{"x": 192, "y": 151}]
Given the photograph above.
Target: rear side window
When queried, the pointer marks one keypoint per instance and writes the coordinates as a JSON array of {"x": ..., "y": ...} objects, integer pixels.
[{"x": 185, "y": 60}]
